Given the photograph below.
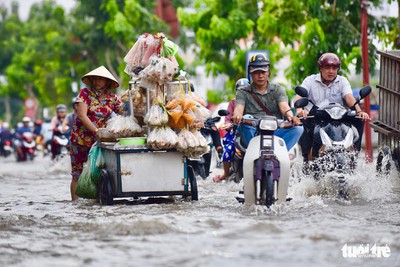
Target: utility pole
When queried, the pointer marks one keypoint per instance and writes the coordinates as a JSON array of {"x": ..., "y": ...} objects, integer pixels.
[{"x": 365, "y": 75}]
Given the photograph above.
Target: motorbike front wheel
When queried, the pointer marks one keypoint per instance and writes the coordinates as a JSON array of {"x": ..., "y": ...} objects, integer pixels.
[{"x": 267, "y": 188}]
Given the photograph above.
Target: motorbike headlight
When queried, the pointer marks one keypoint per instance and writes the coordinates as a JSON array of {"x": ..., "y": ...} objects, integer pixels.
[
  {"x": 268, "y": 125},
  {"x": 336, "y": 113}
]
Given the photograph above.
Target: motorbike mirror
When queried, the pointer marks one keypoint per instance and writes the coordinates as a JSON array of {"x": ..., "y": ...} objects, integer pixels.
[
  {"x": 365, "y": 91},
  {"x": 301, "y": 91},
  {"x": 301, "y": 103},
  {"x": 216, "y": 119},
  {"x": 223, "y": 112}
]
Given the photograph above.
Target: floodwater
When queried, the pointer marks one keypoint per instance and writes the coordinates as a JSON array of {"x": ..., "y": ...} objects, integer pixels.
[{"x": 39, "y": 226}]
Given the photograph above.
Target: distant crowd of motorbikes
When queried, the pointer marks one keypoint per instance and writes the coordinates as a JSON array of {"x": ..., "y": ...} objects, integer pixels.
[{"x": 30, "y": 139}]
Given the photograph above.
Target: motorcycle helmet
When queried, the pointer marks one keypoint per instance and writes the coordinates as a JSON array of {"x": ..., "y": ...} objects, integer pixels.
[
  {"x": 61, "y": 108},
  {"x": 26, "y": 119},
  {"x": 241, "y": 83},
  {"x": 329, "y": 59},
  {"x": 258, "y": 62}
]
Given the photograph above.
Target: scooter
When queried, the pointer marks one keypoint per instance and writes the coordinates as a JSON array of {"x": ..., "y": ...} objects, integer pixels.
[
  {"x": 240, "y": 151},
  {"x": 266, "y": 163},
  {"x": 334, "y": 138},
  {"x": 28, "y": 147},
  {"x": 7, "y": 148},
  {"x": 201, "y": 166},
  {"x": 59, "y": 143}
]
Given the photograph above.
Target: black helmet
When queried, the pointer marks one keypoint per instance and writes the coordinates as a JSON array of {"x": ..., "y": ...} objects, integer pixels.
[
  {"x": 258, "y": 62},
  {"x": 242, "y": 82},
  {"x": 329, "y": 59}
]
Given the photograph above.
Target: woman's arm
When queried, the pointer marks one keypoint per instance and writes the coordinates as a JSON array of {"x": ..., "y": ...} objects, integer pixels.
[{"x": 81, "y": 111}]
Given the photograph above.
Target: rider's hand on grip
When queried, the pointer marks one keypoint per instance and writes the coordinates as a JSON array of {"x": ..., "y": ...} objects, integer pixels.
[{"x": 301, "y": 113}]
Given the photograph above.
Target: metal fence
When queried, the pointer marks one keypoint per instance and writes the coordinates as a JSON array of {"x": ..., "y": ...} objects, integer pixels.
[{"x": 388, "y": 123}]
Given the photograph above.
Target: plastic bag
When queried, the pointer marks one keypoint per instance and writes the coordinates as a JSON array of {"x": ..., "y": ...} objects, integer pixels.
[
  {"x": 156, "y": 116},
  {"x": 89, "y": 178},
  {"x": 122, "y": 126},
  {"x": 162, "y": 138}
]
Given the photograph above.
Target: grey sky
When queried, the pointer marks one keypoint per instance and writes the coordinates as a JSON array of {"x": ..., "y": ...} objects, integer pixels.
[{"x": 25, "y": 5}]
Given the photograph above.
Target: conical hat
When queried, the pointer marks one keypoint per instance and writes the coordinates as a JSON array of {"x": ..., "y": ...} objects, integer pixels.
[{"x": 100, "y": 72}]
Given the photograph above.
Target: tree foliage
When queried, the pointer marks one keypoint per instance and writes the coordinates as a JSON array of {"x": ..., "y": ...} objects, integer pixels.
[
  {"x": 301, "y": 29},
  {"x": 45, "y": 54}
]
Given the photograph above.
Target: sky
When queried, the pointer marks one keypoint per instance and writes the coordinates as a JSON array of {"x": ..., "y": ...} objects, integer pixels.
[{"x": 25, "y": 5}]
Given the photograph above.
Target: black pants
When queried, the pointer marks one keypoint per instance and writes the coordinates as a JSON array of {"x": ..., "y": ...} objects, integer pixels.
[{"x": 306, "y": 140}]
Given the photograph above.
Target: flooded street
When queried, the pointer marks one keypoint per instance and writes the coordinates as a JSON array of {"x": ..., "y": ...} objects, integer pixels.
[{"x": 40, "y": 226}]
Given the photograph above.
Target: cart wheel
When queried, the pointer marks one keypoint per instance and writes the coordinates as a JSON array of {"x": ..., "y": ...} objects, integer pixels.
[
  {"x": 193, "y": 184},
  {"x": 105, "y": 189}
]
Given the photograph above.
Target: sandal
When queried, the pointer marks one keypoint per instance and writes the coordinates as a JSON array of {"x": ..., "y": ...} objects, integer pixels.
[{"x": 219, "y": 178}]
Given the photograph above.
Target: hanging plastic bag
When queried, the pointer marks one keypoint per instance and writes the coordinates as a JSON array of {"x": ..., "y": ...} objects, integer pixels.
[
  {"x": 100, "y": 161},
  {"x": 89, "y": 178}
]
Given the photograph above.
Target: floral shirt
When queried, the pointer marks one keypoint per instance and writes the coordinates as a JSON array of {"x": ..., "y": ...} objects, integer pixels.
[{"x": 98, "y": 113}]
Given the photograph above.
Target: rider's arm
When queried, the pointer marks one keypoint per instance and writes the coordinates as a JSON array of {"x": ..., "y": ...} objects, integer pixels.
[
  {"x": 231, "y": 108},
  {"x": 238, "y": 113},
  {"x": 286, "y": 111},
  {"x": 81, "y": 111},
  {"x": 65, "y": 125},
  {"x": 350, "y": 101},
  {"x": 53, "y": 123}
]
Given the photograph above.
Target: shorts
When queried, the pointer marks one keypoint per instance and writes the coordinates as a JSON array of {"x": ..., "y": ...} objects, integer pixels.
[
  {"x": 79, "y": 156},
  {"x": 229, "y": 146}
]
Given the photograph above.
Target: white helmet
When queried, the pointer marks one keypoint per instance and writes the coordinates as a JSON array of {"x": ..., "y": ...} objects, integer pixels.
[{"x": 26, "y": 119}]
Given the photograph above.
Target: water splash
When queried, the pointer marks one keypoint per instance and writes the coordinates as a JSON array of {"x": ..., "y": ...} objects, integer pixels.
[
  {"x": 364, "y": 184},
  {"x": 60, "y": 165}
]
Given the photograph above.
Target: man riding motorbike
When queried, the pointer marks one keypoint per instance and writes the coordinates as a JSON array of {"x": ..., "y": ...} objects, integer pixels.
[
  {"x": 266, "y": 161},
  {"x": 19, "y": 136},
  {"x": 6, "y": 138},
  {"x": 262, "y": 98},
  {"x": 324, "y": 88},
  {"x": 56, "y": 122}
]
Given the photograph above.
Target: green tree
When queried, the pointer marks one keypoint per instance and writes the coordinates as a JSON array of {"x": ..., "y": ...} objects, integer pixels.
[
  {"x": 302, "y": 29},
  {"x": 39, "y": 52},
  {"x": 107, "y": 29}
]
